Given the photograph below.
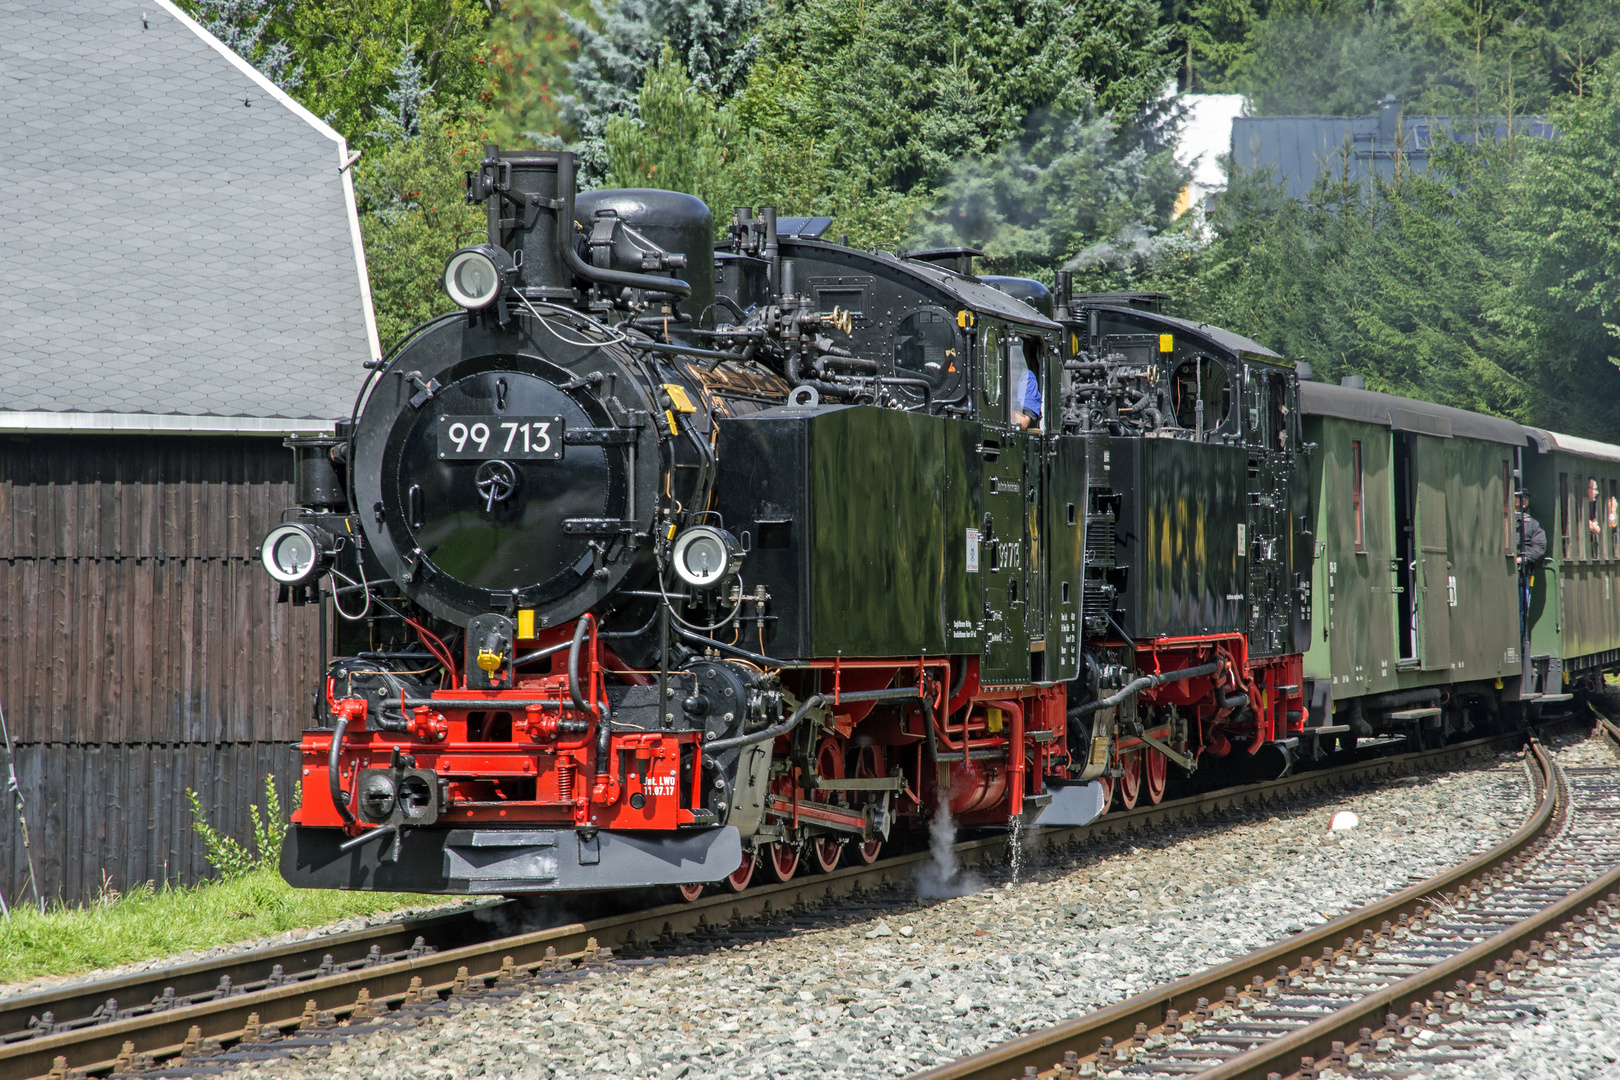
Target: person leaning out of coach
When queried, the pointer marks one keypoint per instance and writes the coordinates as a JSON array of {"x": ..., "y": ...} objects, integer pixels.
[{"x": 1532, "y": 549}]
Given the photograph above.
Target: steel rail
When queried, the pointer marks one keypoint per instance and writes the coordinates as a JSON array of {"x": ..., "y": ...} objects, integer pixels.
[
  {"x": 1047, "y": 1051},
  {"x": 164, "y": 1034},
  {"x": 76, "y": 1001}
]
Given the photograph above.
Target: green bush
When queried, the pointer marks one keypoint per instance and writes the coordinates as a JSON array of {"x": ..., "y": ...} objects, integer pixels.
[{"x": 229, "y": 856}]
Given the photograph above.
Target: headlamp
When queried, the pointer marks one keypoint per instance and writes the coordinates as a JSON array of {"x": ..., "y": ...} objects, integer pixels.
[
  {"x": 296, "y": 553},
  {"x": 705, "y": 556},
  {"x": 475, "y": 276}
]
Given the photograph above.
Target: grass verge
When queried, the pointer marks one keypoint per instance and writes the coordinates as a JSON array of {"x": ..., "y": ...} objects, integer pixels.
[{"x": 144, "y": 923}]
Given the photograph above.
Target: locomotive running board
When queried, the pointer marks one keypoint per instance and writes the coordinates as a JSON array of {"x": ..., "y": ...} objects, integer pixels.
[
  {"x": 1071, "y": 805},
  {"x": 511, "y": 860}
]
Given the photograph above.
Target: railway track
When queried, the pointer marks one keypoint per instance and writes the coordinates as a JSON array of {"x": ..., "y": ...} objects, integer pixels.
[
  {"x": 1358, "y": 993},
  {"x": 268, "y": 1001}
]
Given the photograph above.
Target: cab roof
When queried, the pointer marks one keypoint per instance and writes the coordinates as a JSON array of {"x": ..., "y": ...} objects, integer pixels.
[
  {"x": 966, "y": 292},
  {"x": 1217, "y": 336}
]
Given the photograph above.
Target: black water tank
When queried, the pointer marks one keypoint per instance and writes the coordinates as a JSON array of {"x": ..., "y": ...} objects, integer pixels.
[
  {"x": 1028, "y": 290},
  {"x": 676, "y": 222}
]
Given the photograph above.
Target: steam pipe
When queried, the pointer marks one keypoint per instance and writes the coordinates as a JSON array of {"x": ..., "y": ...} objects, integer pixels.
[
  {"x": 604, "y": 727},
  {"x": 333, "y": 755},
  {"x": 1136, "y": 686},
  {"x": 720, "y": 746},
  {"x": 483, "y": 703},
  {"x": 539, "y": 654},
  {"x": 571, "y": 259},
  {"x": 580, "y": 629},
  {"x": 681, "y": 350},
  {"x": 735, "y": 650}
]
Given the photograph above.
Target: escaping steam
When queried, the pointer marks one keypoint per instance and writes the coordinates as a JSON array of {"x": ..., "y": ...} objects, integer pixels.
[{"x": 943, "y": 876}]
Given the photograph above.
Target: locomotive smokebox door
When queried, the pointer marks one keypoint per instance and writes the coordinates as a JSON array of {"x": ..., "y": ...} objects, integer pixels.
[{"x": 489, "y": 652}]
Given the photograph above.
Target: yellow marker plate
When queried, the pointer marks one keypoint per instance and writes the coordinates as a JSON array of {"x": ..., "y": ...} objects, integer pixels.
[{"x": 677, "y": 395}]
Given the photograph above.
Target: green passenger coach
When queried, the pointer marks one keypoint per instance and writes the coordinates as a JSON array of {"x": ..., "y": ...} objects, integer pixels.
[
  {"x": 1415, "y": 597},
  {"x": 1574, "y": 487}
]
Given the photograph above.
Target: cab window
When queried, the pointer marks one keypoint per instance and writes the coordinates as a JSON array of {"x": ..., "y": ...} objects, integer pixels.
[
  {"x": 1200, "y": 379},
  {"x": 1024, "y": 364},
  {"x": 925, "y": 347}
]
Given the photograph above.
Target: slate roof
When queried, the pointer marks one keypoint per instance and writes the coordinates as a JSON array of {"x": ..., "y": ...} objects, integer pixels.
[
  {"x": 178, "y": 247},
  {"x": 1298, "y": 149}
]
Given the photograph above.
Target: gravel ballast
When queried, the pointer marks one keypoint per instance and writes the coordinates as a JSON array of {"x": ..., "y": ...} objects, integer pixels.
[
  {"x": 929, "y": 981},
  {"x": 1553, "y": 1024}
]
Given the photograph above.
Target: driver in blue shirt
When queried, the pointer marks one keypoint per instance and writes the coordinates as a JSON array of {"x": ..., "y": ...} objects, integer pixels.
[{"x": 1027, "y": 412}]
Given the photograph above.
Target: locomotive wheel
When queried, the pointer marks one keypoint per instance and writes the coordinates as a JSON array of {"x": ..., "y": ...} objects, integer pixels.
[
  {"x": 829, "y": 764},
  {"x": 740, "y": 877},
  {"x": 691, "y": 894},
  {"x": 1130, "y": 781},
  {"x": 781, "y": 860},
  {"x": 868, "y": 765},
  {"x": 1107, "y": 785},
  {"x": 1157, "y": 771}
]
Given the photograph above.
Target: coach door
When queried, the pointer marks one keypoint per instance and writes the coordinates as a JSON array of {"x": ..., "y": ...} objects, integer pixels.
[
  {"x": 1423, "y": 580},
  {"x": 1003, "y": 539},
  {"x": 1438, "y": 595}
]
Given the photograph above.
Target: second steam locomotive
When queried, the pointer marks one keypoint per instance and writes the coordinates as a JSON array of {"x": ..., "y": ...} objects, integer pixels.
[{"x": 665, "y": 562}]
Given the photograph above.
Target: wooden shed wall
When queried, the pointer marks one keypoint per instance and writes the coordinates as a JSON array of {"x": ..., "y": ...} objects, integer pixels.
[{"x": 141, "y": 650}]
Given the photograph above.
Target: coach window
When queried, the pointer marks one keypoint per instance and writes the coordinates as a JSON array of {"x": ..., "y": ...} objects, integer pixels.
[
  {"x": 1614, "y": 518},
  {"x": 1594, "y": 527},
  {"x": 991, "y": 362},
  {"x": 1563, "y": 515},
  {"x": 1357, "y": 515}
]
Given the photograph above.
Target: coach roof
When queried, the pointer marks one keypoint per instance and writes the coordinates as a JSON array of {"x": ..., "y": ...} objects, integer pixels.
[{"x": 1405, "y": 414}]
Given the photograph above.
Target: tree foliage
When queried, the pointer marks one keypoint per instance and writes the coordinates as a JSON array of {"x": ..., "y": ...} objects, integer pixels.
[
  {"x": 905, "y": 89},
  {"x": 715, "y": 42},
  {"x": 1565, "y": 223},
  {"x": 531, "y": 47},
  {"x": 1437, "y": 56},
  {"x": 414, "y": 213},
  {"x": 244, "y": 27},
  {"x": 1038, "y": 130},
  {"x": 1489, "y": 282},
  {"x": 1066, "y": 191}
]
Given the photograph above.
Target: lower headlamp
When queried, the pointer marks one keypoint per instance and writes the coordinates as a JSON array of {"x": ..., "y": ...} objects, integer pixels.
[
  {"x": 297, "y": 553},
  {"x": 705, "y": 556}
]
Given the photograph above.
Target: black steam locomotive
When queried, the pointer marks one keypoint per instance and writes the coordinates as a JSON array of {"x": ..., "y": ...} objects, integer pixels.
[{"x": 666, "y": 561}]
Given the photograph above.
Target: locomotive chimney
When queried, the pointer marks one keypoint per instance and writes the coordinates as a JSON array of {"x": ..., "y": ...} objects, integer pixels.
[
  {"x": 1062, "y": 296},
  {"x": 525, "y": 223}
]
